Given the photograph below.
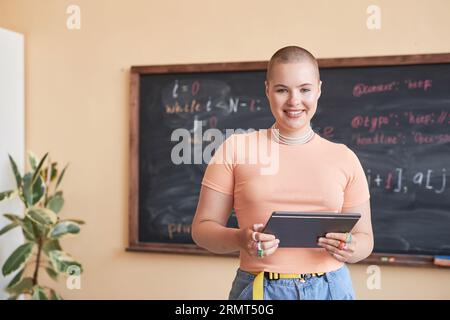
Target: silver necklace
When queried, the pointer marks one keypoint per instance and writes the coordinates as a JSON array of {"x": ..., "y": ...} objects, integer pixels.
[{"x": 278, "y": 137}]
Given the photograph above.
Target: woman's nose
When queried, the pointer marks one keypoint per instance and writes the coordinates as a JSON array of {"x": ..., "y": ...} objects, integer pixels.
[{"x": 293, "y": 100}]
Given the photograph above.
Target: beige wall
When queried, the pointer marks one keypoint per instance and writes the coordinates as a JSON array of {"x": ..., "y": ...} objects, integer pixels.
[{"x": 77, "y": 108}]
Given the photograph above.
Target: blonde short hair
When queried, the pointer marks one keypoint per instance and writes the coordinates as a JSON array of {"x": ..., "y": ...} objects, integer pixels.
[{"x": 291, "y": 54}]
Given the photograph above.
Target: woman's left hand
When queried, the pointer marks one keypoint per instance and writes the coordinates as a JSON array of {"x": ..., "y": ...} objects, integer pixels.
[{"x": 340, "y": 245}]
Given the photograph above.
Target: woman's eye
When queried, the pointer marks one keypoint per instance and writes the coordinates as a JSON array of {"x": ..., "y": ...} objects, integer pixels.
[
  {"x": 281, "y": 90},
  {"x": 304, "y": 90}
]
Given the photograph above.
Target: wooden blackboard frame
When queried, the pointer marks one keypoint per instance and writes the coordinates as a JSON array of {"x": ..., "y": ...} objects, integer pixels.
[{"x": 133, "y": 205}]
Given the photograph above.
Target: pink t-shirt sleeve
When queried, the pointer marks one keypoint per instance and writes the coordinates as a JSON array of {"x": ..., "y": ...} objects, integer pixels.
[
  {"x": 219, "y": 173},
  {"x": 357, "y": 189}
]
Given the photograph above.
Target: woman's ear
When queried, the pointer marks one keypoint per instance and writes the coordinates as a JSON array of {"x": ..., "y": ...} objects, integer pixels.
[
  {"x": 266, "y": 83},
  {"x": 320, "y": 89}
]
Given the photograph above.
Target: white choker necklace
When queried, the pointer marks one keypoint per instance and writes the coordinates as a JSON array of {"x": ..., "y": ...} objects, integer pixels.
[{"x": 278, "y": 137}]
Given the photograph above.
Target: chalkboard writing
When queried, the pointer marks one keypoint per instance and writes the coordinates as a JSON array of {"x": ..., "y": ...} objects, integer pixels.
[{"x": 394, "y": 112}]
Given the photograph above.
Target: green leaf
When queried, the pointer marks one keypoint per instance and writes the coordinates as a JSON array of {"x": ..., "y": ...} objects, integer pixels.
[
  {"x": 77, "y": 221},
  {"x": 12, "y": 217},
  {"x": 52, "y": 273},
  {"x": 7, "y": 194},
  {"x": 62, "y": 262},
  {"x": 44, "y": 217},
  {"x": 16, "y": 279},
  {"x": 27, "y": 188},
  {"x": 61, "y": 177},
  {"x": 33, "y": 191},
  {"x": 18, "y": 258},
  {"x": 32, "y": 159},
  {"x": 37, "y": 171},
  {"x": 50, "y": 246},
  {"x": 53, "y": 172},
  {"x": 56, "y": 202},
  {"x": 54, "y": 295},
  {"x": 30, "y": 231},
  {"x": 9, "y": 227},
  {"x": 16, "y": 172},
  {"x": 64, "y": 227},
  {"x": 39, "y": 293},
  {"x": 22, "y": 286},
  {"x": 38, "y": 190}
]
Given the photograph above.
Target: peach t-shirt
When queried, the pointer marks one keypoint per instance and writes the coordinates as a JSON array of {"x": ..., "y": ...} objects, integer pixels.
[{"x": 319, "y": 176}]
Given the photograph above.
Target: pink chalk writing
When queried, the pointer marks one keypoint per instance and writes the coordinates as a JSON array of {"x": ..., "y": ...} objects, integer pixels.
[
  {"x": 361, "y": 89},
  {"x": 418, "y": 84}
]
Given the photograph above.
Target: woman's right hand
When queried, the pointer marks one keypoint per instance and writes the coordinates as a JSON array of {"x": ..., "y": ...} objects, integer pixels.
[{"x": 249, "y": 238}]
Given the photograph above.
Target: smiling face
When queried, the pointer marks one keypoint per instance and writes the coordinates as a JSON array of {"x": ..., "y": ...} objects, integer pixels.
[{"x": 293, "y": 90}]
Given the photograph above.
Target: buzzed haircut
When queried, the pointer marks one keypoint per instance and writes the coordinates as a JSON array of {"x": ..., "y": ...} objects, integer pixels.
[{"x": 291, "y": 54}]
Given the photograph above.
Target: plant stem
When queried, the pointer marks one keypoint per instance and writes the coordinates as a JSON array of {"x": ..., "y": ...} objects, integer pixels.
[{"x": 36, "y": 269}]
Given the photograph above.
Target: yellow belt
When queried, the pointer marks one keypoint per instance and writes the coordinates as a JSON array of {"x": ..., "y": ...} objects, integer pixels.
[{"x": 258, "y": 282}]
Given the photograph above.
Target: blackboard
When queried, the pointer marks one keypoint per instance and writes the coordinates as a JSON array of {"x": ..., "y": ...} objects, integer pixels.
[{"x": 394, "y": 112}]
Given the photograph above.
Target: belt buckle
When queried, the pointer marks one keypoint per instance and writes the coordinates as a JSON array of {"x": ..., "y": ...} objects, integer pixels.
[{"x": 302, "y": 278}]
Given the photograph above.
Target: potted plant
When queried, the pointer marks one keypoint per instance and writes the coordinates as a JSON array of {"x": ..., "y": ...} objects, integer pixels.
[{"x": 42, "y": 228}]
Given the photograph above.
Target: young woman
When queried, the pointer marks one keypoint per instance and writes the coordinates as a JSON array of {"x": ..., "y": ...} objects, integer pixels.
[{"x": 312, "y": 175}]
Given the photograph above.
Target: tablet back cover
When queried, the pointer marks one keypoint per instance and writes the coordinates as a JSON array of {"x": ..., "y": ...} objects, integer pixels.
[{"x": 303, "y": 229}]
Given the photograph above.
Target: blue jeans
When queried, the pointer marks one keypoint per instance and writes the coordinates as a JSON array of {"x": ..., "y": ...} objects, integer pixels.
[{"x": 334, "y": 285}]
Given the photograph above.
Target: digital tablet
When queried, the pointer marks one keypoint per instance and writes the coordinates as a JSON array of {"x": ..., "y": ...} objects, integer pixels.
[{"x": 303, "y": 229}]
